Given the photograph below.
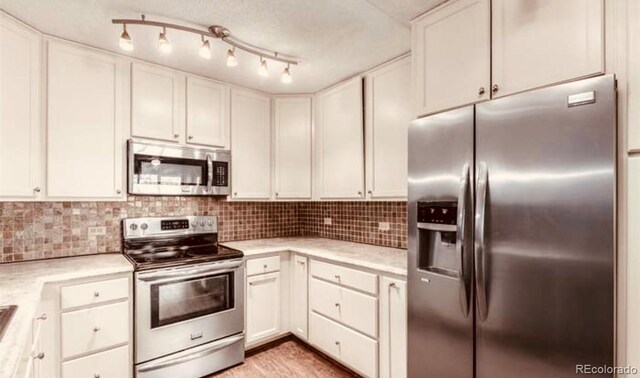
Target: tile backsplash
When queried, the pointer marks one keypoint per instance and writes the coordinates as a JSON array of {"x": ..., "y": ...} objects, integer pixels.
[{"x": 37, "y": 230}]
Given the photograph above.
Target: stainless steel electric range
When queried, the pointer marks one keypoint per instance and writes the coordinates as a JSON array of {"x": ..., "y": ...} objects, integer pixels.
[{"x": 189, "y": 297}]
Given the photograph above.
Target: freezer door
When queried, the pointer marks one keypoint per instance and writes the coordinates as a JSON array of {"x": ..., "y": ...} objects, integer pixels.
[
  {"x": 545, "y": 231},
  {"x": 440, "y": 222}
]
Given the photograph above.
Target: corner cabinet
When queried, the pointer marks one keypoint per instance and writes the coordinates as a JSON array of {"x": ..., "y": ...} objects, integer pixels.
[
  {"x": 299, "y": 296},
  {"x": 388, "y": 113},
  {"x": 537, "y": 43},
  {"x": 339, "y": 137},
  {"x": 451, "y": 48},
  {"x": 250, "y": 145},
  {"x": 393, "y": 328},
  {"x": 207, "y": 113},
  {"x": 21, "y": 128},
  {"x": 86, "y": 118},
  {"x": 292, "y": 147}
]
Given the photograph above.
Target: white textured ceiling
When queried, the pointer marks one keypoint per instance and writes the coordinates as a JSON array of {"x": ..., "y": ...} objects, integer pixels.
[{"x": 334, "y": 39}]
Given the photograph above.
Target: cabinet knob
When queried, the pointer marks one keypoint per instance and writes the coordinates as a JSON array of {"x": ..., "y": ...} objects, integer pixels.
[
  {"x": 265, "y": 266},
  {"x": 337, "y": 277},
  {"x": 96, "y": 294},
  {"x": 235, "y": 194},
  {"x": 176, "y": 136},
  {"x": 42, "y": 317},
  {"x": 96, "y": 375},
  {"x": 392, "y": 284},
  {"x": 276, "y": 194},
  {"x": 118, "y": 191},
  {"x": 370, "y": 191},
  {"x": 481, "y": 91},
  {"x": 96, "y": 329},
  {"x": 360, "y": 193},
  {"x": 337, "y": 342},
  {"x": 495, "y": 88},
  {"x": 37, "y": 356},
  {"x": 37, "y": 189},
  {"x": 337, "y": 304},
  {"x": 190, "y": 137}
]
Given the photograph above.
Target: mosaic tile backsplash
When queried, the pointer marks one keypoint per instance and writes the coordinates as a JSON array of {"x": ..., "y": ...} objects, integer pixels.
[{"x": 38, "y": 230}]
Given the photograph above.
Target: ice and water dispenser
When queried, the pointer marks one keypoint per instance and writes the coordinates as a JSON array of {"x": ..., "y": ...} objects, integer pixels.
[{"x": 437, "y": 237}]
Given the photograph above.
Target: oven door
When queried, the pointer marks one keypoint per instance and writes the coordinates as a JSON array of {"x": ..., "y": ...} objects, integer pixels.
[
  {"x": 159, "y": 169},
  {"x": 181, "y": 307}
]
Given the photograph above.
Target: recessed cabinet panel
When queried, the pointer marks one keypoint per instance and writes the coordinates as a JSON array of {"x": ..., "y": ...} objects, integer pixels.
[
  {"x": 156, "y": 98},
  {"x": 388, "y": 113},
  {"x": 393, "y": 328},
  {"x": 299, "y": 296},
  {"x": 207, "y": 113},
  {"x": 86, "y": 118},
  {"x": 340, "y": 141},
  {"x": 292, "y": 147},
  {"x": 20, "y": 126},
  {"x": 250, "y": 145},
  {"x": 538, "y": 43},
  {"x": 451, "y": 55}
]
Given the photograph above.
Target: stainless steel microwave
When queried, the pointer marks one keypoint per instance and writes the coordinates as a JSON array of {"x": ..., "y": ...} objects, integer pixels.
[{"x": 165, "y": 169}]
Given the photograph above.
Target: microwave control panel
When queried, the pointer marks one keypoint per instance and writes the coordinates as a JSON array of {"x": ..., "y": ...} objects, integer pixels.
[{"x": 220, "y": 174}]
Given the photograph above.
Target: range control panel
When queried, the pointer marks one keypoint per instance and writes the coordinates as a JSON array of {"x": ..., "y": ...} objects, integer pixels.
[
  {"x": 149, "y": 227},
  {"x": 175, "y": 224},
  {"x": 438, "y": 212}
]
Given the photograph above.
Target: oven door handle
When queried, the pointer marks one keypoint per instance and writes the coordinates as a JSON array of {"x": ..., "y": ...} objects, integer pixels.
[
  {"x": 215, "y": 346},
  {"x": 220, "y": 267},
  {"x": 209, "y": 173}
]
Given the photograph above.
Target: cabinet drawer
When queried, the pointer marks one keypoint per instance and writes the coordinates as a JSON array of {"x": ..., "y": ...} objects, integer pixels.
[
  {"x": 263, "y": 265},
  {"x": 95, "y": 328},
  {"x": 357, "y": 310},
  {"x": 94, "y": 292},
  {"x": 357, "y": 351},
  {"x": 356, "y": 279},
  {"x": 112, "y": 363}
]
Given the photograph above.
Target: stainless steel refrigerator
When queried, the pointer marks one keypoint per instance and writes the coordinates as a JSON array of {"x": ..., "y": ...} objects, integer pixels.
[{"x": 512, "y": 235}]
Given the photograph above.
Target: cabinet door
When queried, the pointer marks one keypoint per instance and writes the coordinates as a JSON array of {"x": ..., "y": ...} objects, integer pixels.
[
  {"x": 393, "y": 328},
  {"x": 20, "y": 126},
  {"x": 86, "y": 118},
  {"x": 537, "y": 43},
  {"x": 207, "y": 113},
  {"x": 292, "y": 147},
  {"x": 250, "y": 145},
  {"x": 451, "y": 56},
  {"x": 340, "y": 137},
  {"x": 299, "y": 292},
  {"x": 263, "y": 306},
  {"x": 388, "y": 113},
  {"x": 156, "y": 103}
]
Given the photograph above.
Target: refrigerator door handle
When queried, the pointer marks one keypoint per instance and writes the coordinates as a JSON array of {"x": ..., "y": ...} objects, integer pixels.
[
  {"x": 461, "y": 238},
  {"x": 481, "y": 188}
]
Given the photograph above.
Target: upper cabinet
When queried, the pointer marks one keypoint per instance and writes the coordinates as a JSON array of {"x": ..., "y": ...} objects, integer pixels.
[
  {"x": 21, "y": 129},
  {"x": 207, "y": 113},
  {"x": 250, "y": 145},
  {"x": 388, "y": 113},
  {"x": 339, "y": 141},
  {"x": 292, "y": 129},
  {"x": 451, "y": 49},
  {"x": 537, "y": 43},
  {"x": 86, "y": 120},
  {"x": 156, "y": 103}
]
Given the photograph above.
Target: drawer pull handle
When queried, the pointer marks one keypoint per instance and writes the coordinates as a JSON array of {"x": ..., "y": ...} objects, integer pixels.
[
  {"x": 337, "y": 277},
  {"x": 338, "y": 343},
  {"x": 42, "y": 317},
  {"x": 38, "y": 356},
  {"x": 96, "y": 329},
  {"x": 337, "y": 304},
  {"x": 392, "y": 284},
  {"x": 96, "y": 294},
  {"x": 96, "y": 375}
]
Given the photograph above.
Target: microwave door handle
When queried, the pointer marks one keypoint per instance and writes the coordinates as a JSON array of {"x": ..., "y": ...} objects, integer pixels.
[
  {"x": 209, "y": 173},
  {"x": 481, "y": 290},
  {"x": 461, "y": 241}
]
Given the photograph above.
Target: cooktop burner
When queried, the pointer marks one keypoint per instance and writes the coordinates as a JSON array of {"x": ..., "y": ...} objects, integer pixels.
[{"x": 159, "y": 242}]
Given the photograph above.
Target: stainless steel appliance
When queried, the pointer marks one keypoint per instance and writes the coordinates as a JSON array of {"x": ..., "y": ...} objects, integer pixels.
[
  {"x": 167, "y": 169},
  {"x": 189, "y": 297},
  {"x": 512, "y": 235}
]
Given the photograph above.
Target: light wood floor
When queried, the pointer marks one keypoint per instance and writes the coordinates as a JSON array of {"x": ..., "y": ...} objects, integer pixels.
[{"x": 285, "y": 358}]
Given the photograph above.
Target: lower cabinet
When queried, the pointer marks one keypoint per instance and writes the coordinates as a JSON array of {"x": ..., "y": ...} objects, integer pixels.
[
  {"x": 393, "y": 328},
  {"x": 263, "y": 307},
  {"x": 102, "y": 365},
  {"x": 299, "y": 295}
]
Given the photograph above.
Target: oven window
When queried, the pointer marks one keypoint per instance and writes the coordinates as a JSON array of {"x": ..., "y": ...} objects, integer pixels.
[
  {"x": 177, "y": 301},
  {"x": 157, "y": 170}
]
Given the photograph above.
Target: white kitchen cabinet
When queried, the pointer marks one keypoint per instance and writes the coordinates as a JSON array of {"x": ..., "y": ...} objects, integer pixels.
[
  {"x": 250, "y": 145},
  {"x": 537, "y": 43},
  {"x": 157, "y": 103},
  {"x": 393, "y": 328},
  {"x": 86, "y": 118},
  {"x": 340, "y": 139},
  {"x": 292, "y": 129},
  {"x": 299, "y": 296},
  {"x": 207, "y": 105},
  {"x": 263, "y": 307},
  {"x": 21, "y": 129},
  {"x": 99, "y": 365},
  {"x": 388, "y": 113},
  {"x": 451, "y": 47}
]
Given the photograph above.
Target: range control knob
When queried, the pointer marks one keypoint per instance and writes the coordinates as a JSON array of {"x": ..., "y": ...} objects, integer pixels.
[
  {"x": 144, "y": 226},
  {"x": 201, "y": 223},
  {"x": 133, "y": 226},
  {"x": 210, "y": 223}
]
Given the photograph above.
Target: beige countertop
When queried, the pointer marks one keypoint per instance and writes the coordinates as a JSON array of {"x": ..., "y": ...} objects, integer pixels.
[
  {"x": 21, "y": 284},
  {"x": 382, "y": 259}
]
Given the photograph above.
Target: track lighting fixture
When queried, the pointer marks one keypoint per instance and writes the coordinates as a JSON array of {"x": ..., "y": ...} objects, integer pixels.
[
  {"x": 263, "y": 70},
  {"x": 125, "y": 40},
  {"x": 286, "y": 75},
  {"x": 163, "y": 43},
  {"x": 205, "y": 49},
  {"x": 232, "y": 61}
]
